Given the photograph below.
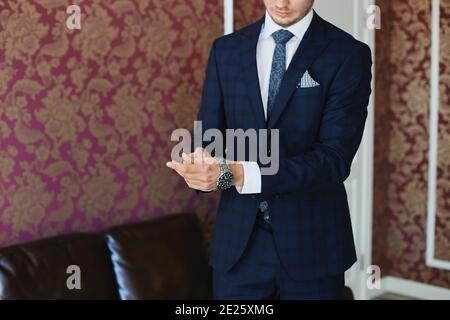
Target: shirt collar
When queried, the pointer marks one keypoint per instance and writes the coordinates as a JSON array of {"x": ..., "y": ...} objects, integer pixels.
[{"x": 298, "y": 29}]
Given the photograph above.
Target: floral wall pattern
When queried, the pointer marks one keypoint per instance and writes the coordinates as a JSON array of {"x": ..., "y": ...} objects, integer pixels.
[
  {"x": 401, "y": 141},
  {"x": 86, "y": 115},
  {"x": 443, "y": 204},
  {"x": 247, "y": 11}
]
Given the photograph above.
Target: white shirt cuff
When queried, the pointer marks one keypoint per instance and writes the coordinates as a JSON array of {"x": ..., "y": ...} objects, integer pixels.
[{"x": 252, "y": 178}]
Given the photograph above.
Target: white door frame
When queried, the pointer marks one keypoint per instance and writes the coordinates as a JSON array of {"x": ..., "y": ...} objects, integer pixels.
[
  {"x": 431, "y": 260},
  {"x": 363, "y": 33},
  {"x": 228, "y": 16}
]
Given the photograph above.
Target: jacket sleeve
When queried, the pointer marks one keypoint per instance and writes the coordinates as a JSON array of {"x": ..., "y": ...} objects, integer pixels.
[
  {"x": 340, "y": 133},
  {"x": 211, "y": 113}
]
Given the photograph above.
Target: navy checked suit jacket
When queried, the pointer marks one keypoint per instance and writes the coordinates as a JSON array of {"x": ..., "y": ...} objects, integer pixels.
[{"x": 320, "y": 131}]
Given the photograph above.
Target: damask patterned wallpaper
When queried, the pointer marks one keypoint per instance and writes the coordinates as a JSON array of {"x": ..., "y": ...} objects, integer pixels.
[
  {"x": 247, "y": 11},
  {"x": 401, "y": 141},
  {"x": 86, "y": 115},
  {"x": 443, "y": 206}
]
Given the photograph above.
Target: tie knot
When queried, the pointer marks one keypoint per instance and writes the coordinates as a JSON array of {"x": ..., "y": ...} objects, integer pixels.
[{"x": 282, "y": 36}]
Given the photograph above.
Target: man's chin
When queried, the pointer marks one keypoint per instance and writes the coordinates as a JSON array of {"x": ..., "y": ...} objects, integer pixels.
[{"x": 285, "y": 21}]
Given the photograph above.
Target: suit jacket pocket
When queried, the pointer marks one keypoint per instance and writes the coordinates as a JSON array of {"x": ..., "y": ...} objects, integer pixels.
[{"x": 309, "y": 91}]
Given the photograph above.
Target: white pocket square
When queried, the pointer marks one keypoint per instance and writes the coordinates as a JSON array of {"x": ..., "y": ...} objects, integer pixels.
[{"x": 307, "y": 81}]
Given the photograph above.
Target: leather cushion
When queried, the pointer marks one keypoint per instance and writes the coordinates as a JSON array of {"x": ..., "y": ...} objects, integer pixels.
[
  {"x": 38, "y": 270},
  {"x": 161, "y": 259}
]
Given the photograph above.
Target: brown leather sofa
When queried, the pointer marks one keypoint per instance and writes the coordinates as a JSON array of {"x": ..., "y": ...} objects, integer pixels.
[{"x": 163, "y": 258}]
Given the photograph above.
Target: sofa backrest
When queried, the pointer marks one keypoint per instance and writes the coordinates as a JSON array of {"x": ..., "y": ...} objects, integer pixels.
[
  {"x": 163, "y": 258},
  {"x": 38, "y": 270}
]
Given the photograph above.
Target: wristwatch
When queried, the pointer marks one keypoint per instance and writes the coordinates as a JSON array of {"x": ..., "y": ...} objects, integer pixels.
[{"x": 225, "y": 178}]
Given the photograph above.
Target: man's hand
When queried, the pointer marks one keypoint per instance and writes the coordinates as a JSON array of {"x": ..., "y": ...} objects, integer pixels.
[{"x": 200, "y": 170}]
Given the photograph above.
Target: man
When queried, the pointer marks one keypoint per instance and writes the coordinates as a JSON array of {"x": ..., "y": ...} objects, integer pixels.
[{"x": 287, "y": 235}]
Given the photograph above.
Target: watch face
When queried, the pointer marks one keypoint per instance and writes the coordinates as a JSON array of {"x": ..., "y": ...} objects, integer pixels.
[{"x": 225, "y": 181}]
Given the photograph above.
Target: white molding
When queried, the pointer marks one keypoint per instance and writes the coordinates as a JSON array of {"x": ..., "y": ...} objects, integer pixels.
[
  {"x": 360, "y": 183},
  {"x": 356, "y": 20},
  {"x": 228, "y": 16},
  {"x": 411, "y": 289},
  {"x": 431, "y": 261},
  {"x": 367, "y": 161}
]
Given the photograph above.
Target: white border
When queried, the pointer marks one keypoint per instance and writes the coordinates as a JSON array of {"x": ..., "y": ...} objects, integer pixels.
[
  {"x": 431, "y": 261},
  {"x": 368, "y": 36},
  {"x": 228, "y": 16}
]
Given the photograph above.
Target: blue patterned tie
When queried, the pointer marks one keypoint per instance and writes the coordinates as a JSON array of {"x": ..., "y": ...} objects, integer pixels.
[{"x": 281, "y": 37}]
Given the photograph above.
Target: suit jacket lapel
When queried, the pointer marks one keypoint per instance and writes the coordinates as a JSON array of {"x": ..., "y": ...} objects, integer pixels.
[
  {"x": 249, "y": 66},
  {"x": 312, "y": 45}
]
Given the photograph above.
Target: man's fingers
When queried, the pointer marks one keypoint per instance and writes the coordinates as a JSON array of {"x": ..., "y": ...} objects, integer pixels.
[
  {"x": 198, "y": 177},
  {"x": 195, "y": 172},
  {"x": 201, "y": 156},
  {"x": 198, "y": 151},
  {"x": 172, "y": 165},
  {"x": 184, "y": 169},
  {"x": 197, "y": 156},
  {"x": 187, "y": 158},
  {"x": 178, "y": 167}
]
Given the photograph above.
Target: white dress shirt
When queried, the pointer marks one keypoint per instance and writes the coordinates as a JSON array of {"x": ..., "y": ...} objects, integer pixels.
[{"x": 264, "y": 56}]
